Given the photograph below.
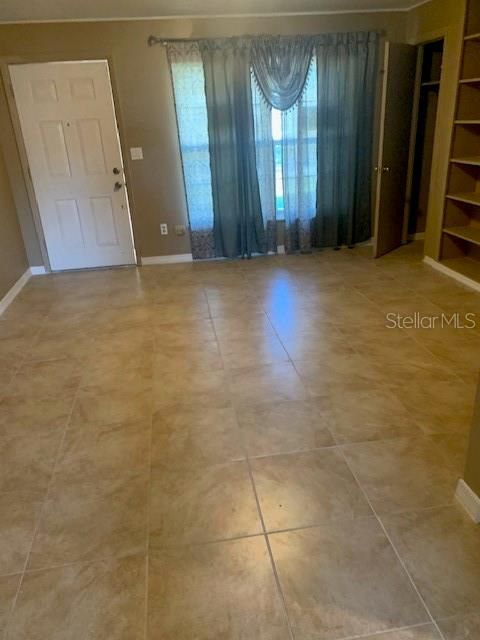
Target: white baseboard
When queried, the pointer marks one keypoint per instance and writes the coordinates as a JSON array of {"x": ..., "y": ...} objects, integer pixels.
[
  {"x": 453, "y": 274},
  {"x": 38, "y": 271},
  {"x": 469, "y": 500},
  {"x": 179, "y": 257},
  {"x": 10, "y": 296}
]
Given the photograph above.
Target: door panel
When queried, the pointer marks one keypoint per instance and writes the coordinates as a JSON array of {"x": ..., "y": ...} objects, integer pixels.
[
  {"x": 396, "y": 116},
  {"x": 68, "y": 123}
]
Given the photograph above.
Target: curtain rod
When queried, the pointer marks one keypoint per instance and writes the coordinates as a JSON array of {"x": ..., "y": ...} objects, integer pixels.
[{"x": 153, "y": 40}]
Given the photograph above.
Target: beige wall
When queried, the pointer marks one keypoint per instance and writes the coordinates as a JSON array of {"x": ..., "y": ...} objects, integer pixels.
[
  {"x": 440, "y": 18},
  {"x": 472, "y": 470},
  {"x": 13, "y": 261},
  {"x": 145, "y": 105}
]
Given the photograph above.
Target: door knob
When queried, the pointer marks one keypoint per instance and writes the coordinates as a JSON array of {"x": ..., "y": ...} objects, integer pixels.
[
  {"x": 117, "y": 186},
  {"x": 386, "y": 169}
]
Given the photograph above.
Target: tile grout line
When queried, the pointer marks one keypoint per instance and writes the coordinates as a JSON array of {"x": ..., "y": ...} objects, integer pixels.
[
  {"x": 257, "y": 502},
  {"x": 148, "y": 519},
  {"x": 367, "y": 636},
  {"x": 395, "y": 550},
  {"x": 270, "y": 553},
  {"x": 40, "y": 514},
  {"x": 23, "y": 359}
]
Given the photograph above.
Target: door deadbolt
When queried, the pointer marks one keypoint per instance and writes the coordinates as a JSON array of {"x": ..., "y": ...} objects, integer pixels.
[{"x": 116, "y": 170}]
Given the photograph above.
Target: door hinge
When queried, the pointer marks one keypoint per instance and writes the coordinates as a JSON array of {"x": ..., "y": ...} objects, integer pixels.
[
  {"x": 29, "y": 173},
  {"x": 11, "y": 90}
]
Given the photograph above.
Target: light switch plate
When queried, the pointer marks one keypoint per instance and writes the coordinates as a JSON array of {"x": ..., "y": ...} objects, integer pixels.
[{"x": 136, "y": 153}]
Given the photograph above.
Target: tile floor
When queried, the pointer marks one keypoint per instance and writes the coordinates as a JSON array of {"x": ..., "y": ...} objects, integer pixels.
[{"x": 237, "y": 451}]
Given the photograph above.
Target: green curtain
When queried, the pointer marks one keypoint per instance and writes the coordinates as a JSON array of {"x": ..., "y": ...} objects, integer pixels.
[
  {"x": 346, "y": 86},
  {"x": 238, "y": 224}
]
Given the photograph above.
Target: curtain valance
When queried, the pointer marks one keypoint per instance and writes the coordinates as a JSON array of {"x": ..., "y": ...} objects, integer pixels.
[{"x": 280, "y": 66}]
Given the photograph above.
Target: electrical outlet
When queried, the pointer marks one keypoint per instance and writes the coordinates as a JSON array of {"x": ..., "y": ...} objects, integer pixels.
[{"x": 164, "y": 229}]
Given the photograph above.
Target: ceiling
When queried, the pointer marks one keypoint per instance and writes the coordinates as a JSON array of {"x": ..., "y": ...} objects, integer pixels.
[{"x": 47, "y": 10}]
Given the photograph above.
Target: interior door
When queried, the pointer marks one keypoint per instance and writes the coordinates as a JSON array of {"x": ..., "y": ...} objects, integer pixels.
[
  {"x": 395, "y": 123},
  {"x": 69, "y": 127}
]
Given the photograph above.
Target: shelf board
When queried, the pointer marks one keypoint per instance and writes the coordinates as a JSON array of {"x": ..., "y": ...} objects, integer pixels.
[
  {"x": 473, "y": 160},
  {"x": 470, "y": 81},
  {"x": 472, "y": 197},
  {"x": 473, "y": 36},
  {"x": 470, "y": 234},
  {"x": 467, "y": 121}
]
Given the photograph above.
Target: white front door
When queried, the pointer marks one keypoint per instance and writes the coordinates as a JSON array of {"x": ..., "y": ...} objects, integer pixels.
[{"x": 68, "y": 123}]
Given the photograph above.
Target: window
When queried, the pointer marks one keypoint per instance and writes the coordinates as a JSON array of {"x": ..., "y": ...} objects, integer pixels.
[{"x": 277, "y": 157}]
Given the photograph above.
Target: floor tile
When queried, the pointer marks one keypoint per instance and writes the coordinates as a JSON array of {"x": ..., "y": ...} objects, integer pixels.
[
  {"x": 8, "y": 589},
  {"x": 441, "y": 548},
  {"x": 185, "y": 334},
  {"x": 191, "y": 388},
  {"x": 74, "y": 345},
  {"x": 283, "y": 427},
  {"x": 443, "y": 407},
  {"x": 111, "y": 406},
  {"x": 126, "y": 341},
  {"x": 27, "y": 461},
  {"x": 402, "y": 474},
  {"x": 38, "y": 380},
  {"x": 252, "y": 351},
  {"x": 357, "y": 416},
  {"x": 195, "y": 346},
  {"x": 171, "y": 313},
  {"x": 465, "y": 627},
  {"x": 308, "y": 488},
  {"x": 91, "y": 521},
  {"x": 243, "y": 326},
  {"x": 203, "y": 504},
  {"x": 343, "y": 581},
  {"x": 273, "y": 383},
  {"x": 19, "y": 517},
  {"x": 204, "y": 356},
  {"x": 132, "y": 380},
  {"x": 195, "y": 437},
  {"x": 22, "y": 415},
  {"x": 99, "y": 452},
  {"x": 221, "y": 590},
  {"x": 453, "y": 448},
  {"x": 102, "y": 600},
  {"x": 333, "y": 370}
]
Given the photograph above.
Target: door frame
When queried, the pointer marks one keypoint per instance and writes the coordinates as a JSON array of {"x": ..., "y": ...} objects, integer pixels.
[
  {"x": 379, "y": 142},
  {"x": 414, "y": 128},
  {"x": 5, "y": 62}
]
